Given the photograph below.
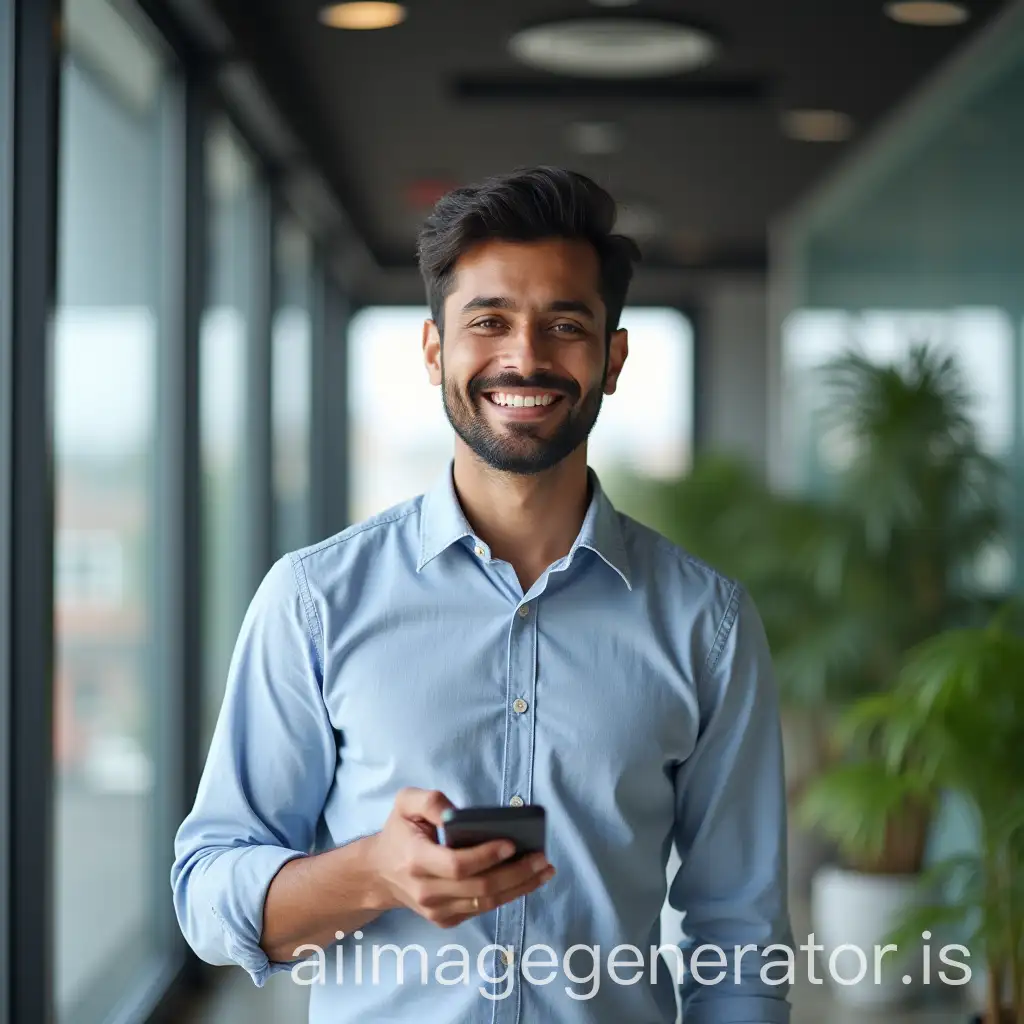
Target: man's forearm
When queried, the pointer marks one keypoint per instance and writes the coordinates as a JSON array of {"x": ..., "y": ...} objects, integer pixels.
[{"x": 312, "y": 898}]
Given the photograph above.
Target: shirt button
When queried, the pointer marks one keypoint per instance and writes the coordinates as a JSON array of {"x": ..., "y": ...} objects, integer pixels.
[
  {"x": 524, "y": 611},
  {"x": 519, "y": 705},
  {"x": 479, "y": 551},
  {"x": 505, "y": 958},
  {"x": 516, "y": 801}
]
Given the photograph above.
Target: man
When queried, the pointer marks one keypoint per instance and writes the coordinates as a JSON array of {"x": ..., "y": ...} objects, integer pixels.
[{"x": 507, "y": 638}]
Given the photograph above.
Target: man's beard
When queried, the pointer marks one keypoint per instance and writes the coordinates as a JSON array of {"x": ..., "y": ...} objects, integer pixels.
[{"x": 520, "y": 447}]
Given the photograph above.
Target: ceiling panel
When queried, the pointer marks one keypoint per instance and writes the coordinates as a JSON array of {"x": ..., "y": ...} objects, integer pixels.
[{"x": 703, "y": 160}]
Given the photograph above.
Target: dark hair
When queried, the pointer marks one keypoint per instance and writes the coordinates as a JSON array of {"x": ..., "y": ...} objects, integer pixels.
[{"x": 526, "y": 205}]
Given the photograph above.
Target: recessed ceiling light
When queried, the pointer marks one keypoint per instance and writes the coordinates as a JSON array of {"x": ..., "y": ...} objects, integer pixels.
[
  {"x": 931, "y": 13},
  {"x": 817, "y": 125},
  {"x": 610, "y": 47},
  {"x": 362, "y": 16},
  {"x": 594, "y": 138}
]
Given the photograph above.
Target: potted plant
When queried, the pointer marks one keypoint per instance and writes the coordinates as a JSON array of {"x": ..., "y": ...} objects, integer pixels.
[
  {"x": 877, "y": 814},
  {"x": 922, "y": 500},
  {"x": 965, "y": 691},
  {"x": 952, "y": 724}
]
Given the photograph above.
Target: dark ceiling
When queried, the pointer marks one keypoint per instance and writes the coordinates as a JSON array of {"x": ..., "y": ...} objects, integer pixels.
[{"x": 703, "y": 158}]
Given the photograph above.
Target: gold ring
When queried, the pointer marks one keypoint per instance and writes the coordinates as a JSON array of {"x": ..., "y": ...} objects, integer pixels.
[{"x": 476, "y": 903}]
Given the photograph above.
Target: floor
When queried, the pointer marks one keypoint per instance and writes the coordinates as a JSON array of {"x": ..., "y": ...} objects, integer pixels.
[{"x": 238, "y": 1001}]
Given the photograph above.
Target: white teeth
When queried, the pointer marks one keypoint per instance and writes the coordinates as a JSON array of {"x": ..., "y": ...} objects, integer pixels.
[{"x": 521, "y": 401}]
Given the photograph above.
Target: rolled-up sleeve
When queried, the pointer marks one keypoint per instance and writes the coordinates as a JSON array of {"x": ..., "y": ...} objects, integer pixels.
[
  {"x": 730, "y": 832},
  {"x": 271, "y": 763}
]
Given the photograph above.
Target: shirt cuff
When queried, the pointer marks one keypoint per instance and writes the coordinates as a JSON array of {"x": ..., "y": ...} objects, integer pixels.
[{"x": 245, "y": 874}]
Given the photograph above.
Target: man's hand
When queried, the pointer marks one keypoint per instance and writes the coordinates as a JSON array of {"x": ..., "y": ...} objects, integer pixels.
[{"x": 442, "y": 885}]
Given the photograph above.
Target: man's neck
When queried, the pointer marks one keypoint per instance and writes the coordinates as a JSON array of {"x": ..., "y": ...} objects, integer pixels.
[{"x": 527, "y": 521}]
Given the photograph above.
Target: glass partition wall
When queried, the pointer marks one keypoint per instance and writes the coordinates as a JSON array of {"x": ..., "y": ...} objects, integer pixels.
[{"x": 918, "y": 240}]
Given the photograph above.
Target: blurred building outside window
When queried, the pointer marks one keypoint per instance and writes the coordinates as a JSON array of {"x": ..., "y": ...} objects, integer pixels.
[
  {"x": 107, "y": 329},
  {"x": 89, "y": 567}
]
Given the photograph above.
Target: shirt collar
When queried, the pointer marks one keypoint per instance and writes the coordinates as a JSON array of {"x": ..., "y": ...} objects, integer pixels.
[
  {"x": 602, "y": 531},
  {"x": 443, "y": 523}
]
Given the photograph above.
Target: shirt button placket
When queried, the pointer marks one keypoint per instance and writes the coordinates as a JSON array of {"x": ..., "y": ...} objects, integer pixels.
[{"x": 518, "y": 782}]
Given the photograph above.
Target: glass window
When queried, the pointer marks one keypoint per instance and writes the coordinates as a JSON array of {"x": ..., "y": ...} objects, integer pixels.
[
  {"x": 980, "y": 340},
  {"x": 401, "y": 439},
  {"x": 918, "y": 240},
  {"x": 291, "y": 383},
  {"x": 107, "y": 332},
  {"x": 225, "y": 349}
]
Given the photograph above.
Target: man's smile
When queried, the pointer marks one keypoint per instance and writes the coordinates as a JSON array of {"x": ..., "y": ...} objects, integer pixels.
[{"x": 523, "y": 403}]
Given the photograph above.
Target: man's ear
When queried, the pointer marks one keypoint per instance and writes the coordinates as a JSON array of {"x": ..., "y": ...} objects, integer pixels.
[
  {"x": 618, "y": 349},
  {"x": 432, "y": 351}
]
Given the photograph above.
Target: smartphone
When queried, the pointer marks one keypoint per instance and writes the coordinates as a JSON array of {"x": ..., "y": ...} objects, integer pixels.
[{"x": 469, "y": 826}]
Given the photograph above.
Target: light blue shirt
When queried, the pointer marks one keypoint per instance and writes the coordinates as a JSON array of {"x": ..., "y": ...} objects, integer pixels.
[{"x": 629, "y": 691}]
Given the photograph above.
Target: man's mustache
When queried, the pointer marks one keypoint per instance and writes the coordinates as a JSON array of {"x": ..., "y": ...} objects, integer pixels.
[{"x": 538, "y": 381}]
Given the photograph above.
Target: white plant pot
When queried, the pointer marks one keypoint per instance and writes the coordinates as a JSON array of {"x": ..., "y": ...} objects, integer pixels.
[{"x": 850, "y": 909}]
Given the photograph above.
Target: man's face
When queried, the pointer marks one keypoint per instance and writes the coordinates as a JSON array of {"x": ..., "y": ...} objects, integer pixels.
[{"x": 524, "y": 362}]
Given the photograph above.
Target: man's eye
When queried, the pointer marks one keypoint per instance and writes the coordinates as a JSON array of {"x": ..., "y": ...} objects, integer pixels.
[
  {"x": 568, "y": 328},
  {"x": 489, "y": 323}
]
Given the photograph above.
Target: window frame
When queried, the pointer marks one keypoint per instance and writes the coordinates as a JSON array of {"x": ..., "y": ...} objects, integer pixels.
[
  {"x": 330, "y": 458},
  {"x": 6, "y": 489},
  {"x": 31, "y": 101}
]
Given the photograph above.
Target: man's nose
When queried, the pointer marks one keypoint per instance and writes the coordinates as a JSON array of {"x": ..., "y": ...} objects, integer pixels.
[{"x": 526, "y": 350}]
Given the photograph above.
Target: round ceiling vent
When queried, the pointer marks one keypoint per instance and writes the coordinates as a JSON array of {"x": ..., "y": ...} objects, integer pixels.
[{"x": 614, "y": 47}]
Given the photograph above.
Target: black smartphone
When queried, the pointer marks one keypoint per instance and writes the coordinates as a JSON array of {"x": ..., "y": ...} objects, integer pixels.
[{"x": 469, "y": 826}]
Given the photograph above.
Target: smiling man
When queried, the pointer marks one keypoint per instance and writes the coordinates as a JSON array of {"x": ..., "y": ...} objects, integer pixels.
[{"x": 507, "y": 638}]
